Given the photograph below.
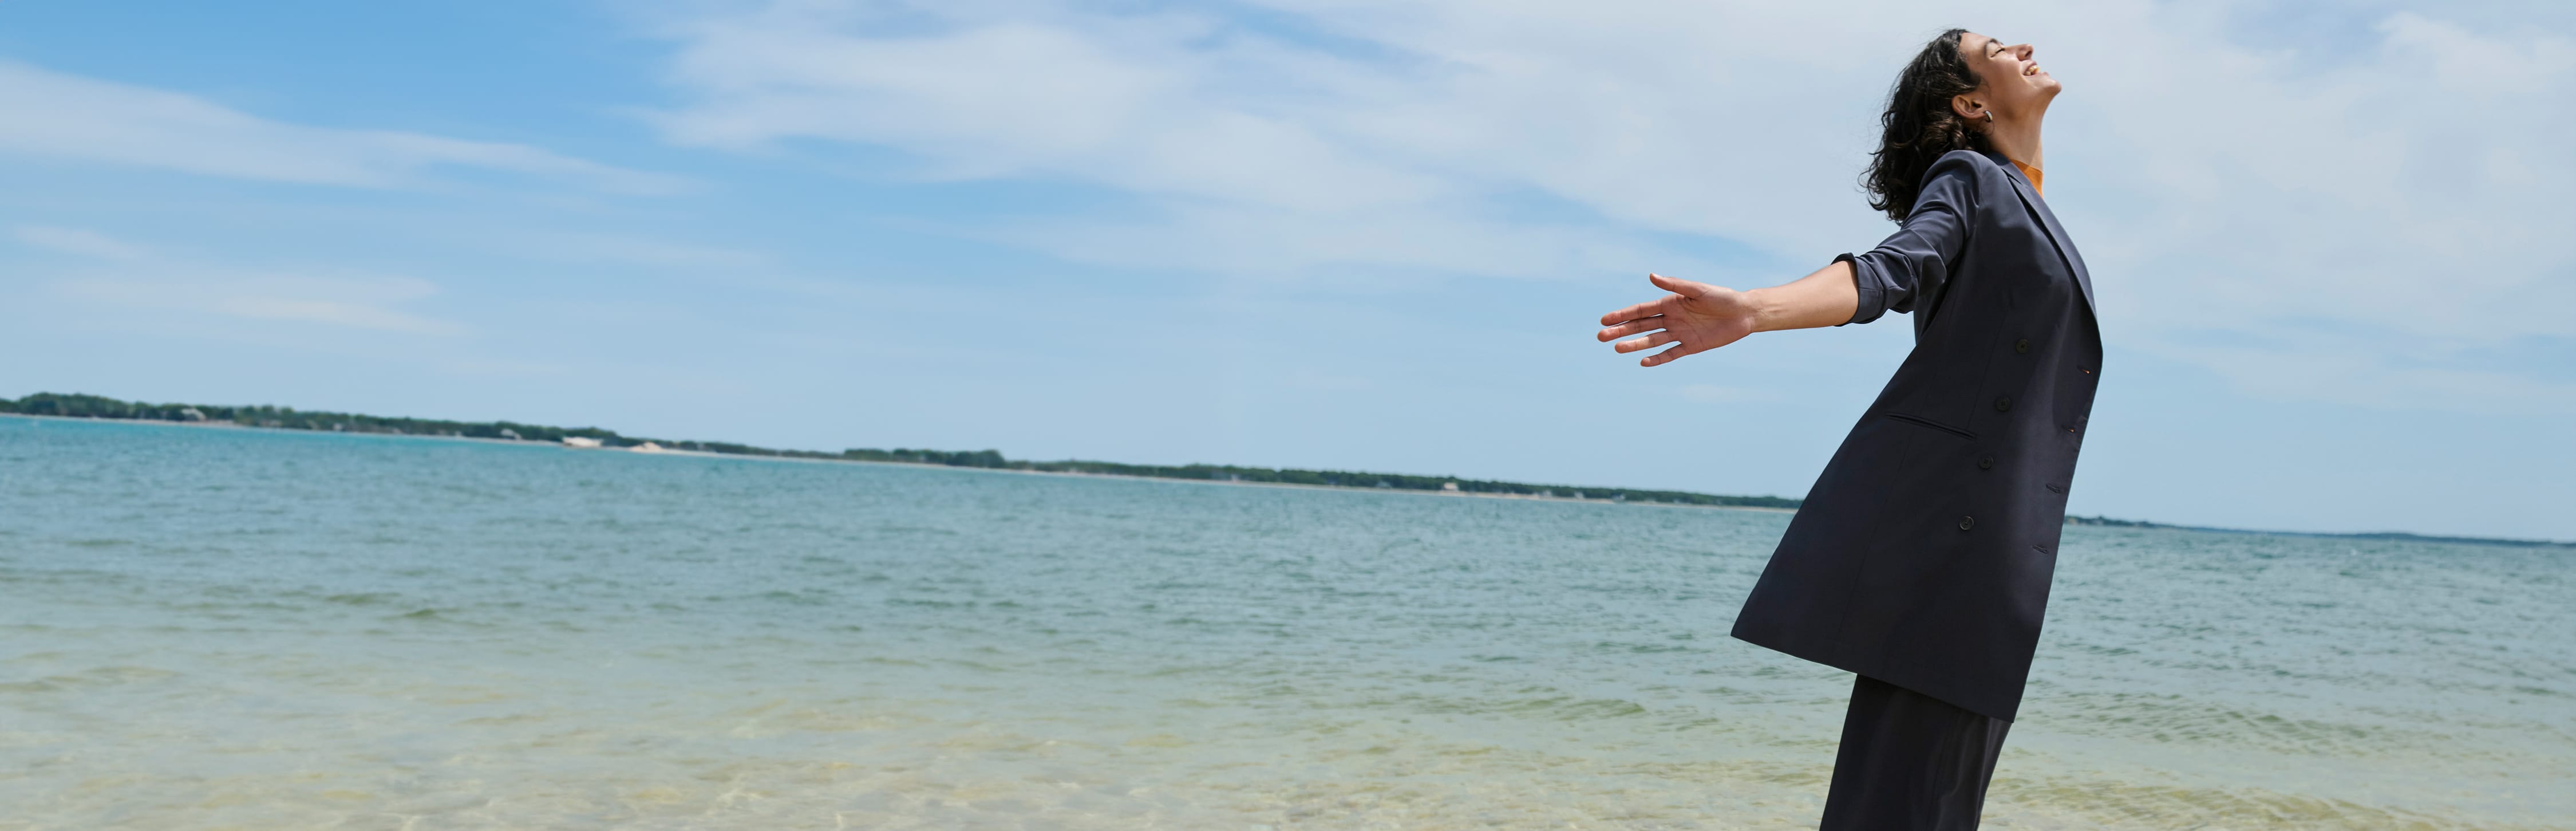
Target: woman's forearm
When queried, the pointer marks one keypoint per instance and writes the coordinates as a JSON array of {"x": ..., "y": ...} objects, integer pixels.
[
  {"x": 1825, "y": 298},
  {"x": 1697, "y": 317}
]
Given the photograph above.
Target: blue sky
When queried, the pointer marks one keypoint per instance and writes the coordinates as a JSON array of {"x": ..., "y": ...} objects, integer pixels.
[{"x": 2329, "y": 240}]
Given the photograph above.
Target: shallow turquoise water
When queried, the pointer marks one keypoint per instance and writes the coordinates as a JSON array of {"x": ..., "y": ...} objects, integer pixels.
[{"x": 223, "y": 628}]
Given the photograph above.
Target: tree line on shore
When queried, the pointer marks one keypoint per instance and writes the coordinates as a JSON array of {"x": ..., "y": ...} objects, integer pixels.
[{"x": 288, "y": 418}]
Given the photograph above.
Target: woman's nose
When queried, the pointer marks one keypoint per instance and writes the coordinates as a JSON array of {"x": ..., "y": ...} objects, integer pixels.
[{"x": 2026, "y": 51}]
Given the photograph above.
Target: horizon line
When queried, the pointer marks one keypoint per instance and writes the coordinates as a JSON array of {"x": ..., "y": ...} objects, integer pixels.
[{"x": 112, "y": 409}]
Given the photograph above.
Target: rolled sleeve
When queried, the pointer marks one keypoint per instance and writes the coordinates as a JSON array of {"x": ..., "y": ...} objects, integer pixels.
[
  {"x": 1873, "y": 290},
  {"x": 1909, "y": 268}
]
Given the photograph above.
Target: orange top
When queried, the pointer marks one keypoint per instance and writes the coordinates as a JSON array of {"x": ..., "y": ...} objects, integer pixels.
[{"x": 2031, "y": 173}]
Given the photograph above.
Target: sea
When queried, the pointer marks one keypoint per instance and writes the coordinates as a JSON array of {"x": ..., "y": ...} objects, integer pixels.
[{"x": 225, "y": 628}]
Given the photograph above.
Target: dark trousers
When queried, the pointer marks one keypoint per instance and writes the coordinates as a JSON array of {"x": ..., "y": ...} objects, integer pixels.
[{"x": 1909, "y": 761}]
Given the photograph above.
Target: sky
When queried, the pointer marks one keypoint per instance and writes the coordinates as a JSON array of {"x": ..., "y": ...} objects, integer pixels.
[{"x": 2329, "y": 241}]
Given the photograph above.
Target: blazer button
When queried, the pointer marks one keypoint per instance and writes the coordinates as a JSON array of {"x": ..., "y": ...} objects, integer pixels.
[
  {"x": 2022, "y": 346},
  {"x": 2003, "y": 403},
  {"x": 1987, "y": 463},
  {"x": 1967, "y": 522}
]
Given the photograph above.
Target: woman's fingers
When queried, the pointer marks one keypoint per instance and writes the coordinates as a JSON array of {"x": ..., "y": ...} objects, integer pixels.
[
  {"x": 1652, "y": 317},
  {"x": 1641, "y": 310},
  {"x": 1681, "y": 287},
  {"x": 1644, "y": 324},
  {"x": 1647, "y": 342},
  {"x": 1668, "y": 356}
]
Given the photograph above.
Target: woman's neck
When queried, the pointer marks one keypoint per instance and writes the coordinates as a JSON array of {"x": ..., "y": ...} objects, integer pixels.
[{"x": 2017, "y": 139}]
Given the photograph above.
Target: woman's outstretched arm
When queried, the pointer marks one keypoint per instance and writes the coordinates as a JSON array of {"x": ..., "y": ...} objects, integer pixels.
[{"x": 1697, "y": 317}]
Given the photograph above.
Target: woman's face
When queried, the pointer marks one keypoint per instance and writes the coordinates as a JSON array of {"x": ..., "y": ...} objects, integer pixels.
[{"x": 2010, "y": 81}]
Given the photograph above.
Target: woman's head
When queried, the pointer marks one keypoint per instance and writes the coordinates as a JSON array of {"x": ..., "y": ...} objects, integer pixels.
[{"x": 1959, "y": 88}]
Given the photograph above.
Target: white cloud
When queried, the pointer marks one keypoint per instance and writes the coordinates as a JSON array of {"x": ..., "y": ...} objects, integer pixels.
[
  {"x": 1117, "y": 100},
  {"x": 354, "y": 315},
  {"x": 356, "y": 302},
  {"x": 79, "y": 241},
  {"x": 1457, "y": 116},
  {"x": 63, "y": 116},
  {"x": 2415, "y": 183},
  {"x": 626, "y": 249},
  {"x": 131, "y": 276},
  {"x": 2420, "y": 189},
  {"x": 2344, "y": 367}
]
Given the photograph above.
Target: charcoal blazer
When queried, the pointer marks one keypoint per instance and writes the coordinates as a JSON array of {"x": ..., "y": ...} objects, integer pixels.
[{"x": 1922, "y": 557}]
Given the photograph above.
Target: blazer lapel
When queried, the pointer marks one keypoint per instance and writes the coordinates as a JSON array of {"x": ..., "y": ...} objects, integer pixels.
[{"x": 2056, "y": 234}]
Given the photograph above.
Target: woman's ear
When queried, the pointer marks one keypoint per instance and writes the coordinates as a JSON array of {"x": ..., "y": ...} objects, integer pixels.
[{"x": 1968, "y": 108}]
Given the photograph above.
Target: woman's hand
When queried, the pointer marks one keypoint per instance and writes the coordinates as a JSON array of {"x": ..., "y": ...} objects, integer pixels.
[{"x": 1696, "y": 317}]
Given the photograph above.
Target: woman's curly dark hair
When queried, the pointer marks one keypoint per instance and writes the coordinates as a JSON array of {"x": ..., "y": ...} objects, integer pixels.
[{"x": 1919, "y": 125}]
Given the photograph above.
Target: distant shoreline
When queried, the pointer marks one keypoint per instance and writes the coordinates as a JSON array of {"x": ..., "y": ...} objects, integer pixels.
[
  {"x": 702, "y": 454},
  {"x": 97, "y": 408},
  {"x": 75, "y": 405}
]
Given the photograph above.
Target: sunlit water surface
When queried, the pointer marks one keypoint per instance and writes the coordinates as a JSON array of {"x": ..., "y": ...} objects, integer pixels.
[{"x": 223, "y": 628}]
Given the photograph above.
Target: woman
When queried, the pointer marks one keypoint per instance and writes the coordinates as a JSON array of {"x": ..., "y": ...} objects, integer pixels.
[{"x": 1921, "y": 559}]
